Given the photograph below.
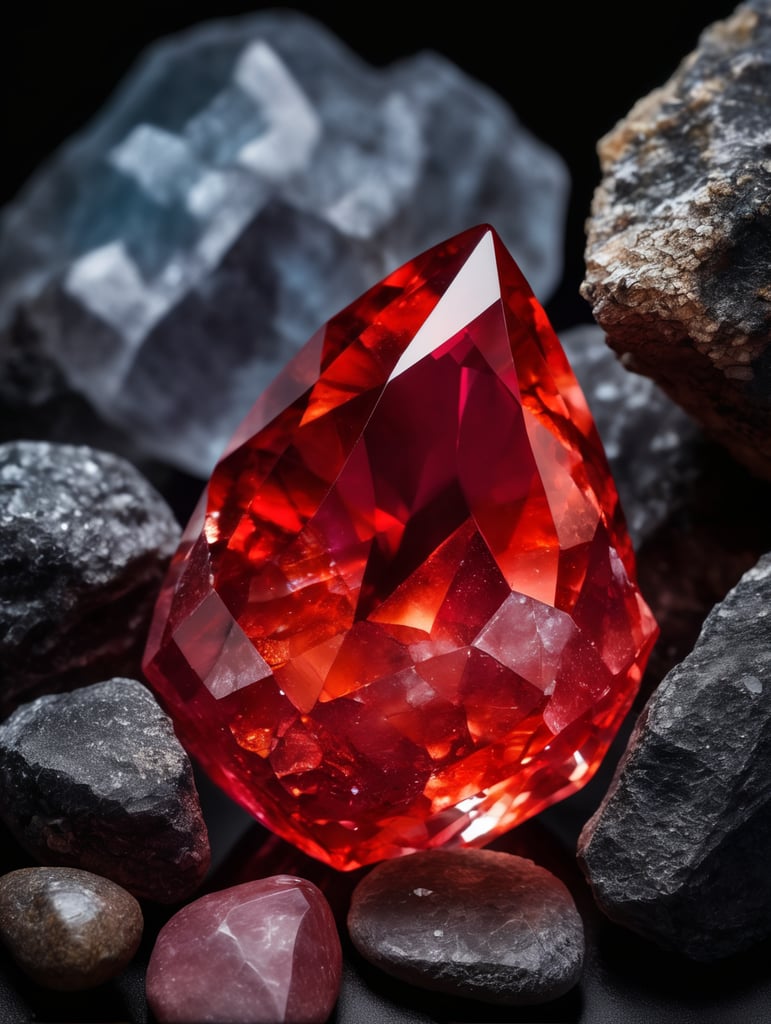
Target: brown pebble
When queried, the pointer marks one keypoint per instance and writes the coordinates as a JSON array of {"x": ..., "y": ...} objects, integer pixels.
[{"x": 68, "y": 929}]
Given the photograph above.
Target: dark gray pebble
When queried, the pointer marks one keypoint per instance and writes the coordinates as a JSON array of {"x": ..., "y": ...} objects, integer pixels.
[
  {"x": 68, "y": 929},
  {"x": 480, "y": 924},
  {"x": 96, "y": 779}
]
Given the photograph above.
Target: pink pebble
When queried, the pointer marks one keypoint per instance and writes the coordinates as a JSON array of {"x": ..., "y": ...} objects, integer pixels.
[{"x": 265, "y": 952}]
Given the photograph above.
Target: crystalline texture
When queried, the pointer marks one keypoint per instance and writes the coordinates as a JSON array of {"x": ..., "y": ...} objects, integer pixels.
[
  {"x": 405, "y": 613},
  {"x": 247, "y": 180}
]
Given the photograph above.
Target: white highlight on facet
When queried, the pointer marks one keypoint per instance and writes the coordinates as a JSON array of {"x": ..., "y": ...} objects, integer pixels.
[
  {"x": 294, "y": 125},
  {"x": 162, "y": 164},
  {"x": 107, "y": 281},
  {"x": 218, "y": 650},
  {"x": 480, "y": 826},
  {"x": 475, "y": 289},
  {"x": 385, "y": 178},
  {"x": 470, "y": 803},
  {"x": 581, "y": 767},
  {"x": 264, "y": 932}
]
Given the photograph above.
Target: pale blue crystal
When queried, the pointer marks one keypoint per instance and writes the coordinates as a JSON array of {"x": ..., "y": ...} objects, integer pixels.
[{"x": 249, "y": 178}]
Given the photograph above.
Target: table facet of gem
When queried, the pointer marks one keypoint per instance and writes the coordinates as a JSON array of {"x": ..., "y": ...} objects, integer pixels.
[{"x": 405, "y": 612}]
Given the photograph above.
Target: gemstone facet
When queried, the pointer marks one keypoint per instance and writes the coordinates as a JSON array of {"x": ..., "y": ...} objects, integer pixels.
[{"x": 405, "y": 613}]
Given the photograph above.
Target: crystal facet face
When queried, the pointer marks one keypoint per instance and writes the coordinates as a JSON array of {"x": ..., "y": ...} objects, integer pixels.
[{"x": 405, "y": 613}]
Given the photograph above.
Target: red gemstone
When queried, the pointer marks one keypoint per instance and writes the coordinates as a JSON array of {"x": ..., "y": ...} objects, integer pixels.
[{"x": 405, "y": 614}]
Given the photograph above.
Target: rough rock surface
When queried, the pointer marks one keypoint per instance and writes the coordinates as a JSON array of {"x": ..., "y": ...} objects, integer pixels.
[
  {"x": 679, "y": 236},
  {"x": 480, "y": 924},
  {"x": 679, "y": 848},
  {"x": 264, "y": 952},
  {"x": 96, "y": 779},
  {"x": 249, "y": 179},
  {"x": 68, "y": 929},
  {"x": 84, "y": 543}
]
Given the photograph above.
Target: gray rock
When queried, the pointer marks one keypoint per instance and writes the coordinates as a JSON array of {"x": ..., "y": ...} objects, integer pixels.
[
  {"x": 480, "y": 924},
  {"x": 680, "y": 230},
  {"x": 96, "y": 779},
  {"x": 652, "y": 445},
  {"x": 678, "y": 850},
  {"x": 68, "y": 929},
  {"x": 249, "y": 178},
  {"x": 84, "y": 544}
]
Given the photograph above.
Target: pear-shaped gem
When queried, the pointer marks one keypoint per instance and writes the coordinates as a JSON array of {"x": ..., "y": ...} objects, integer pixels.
[{"x": 405, "y": 613}]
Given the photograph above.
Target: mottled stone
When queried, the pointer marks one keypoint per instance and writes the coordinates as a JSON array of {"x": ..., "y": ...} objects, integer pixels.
[
  {"x": 480, "y": 924},
  {"x": 263, "y": 952},
  {"x": 653, "y": 446},
  {"x": 84, "y": 542},
  {"x": 679, "y": 848},
  {"x": 96, "y": 779},
  {"x": 248, "y": 179},
  {"x": 68, "y": 929},
  {"x": 679, "y": 236}
]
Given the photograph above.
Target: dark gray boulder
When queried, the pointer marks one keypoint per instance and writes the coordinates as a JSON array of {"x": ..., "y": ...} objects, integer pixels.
[
  {"x": 96, "y": 779},
  {"x": 678, "y": 850},
  {"x": 85, "y": 540}
]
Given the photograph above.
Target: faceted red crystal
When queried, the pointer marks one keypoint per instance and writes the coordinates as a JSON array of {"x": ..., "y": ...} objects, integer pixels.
[{"x": 405, "y": 613}]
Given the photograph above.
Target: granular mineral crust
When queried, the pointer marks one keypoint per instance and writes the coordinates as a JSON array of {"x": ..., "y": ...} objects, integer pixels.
[
  {"x": 96, "y": 779},
  {"x": 84, "y": 542},
  {"x": 679, "y": 237}
]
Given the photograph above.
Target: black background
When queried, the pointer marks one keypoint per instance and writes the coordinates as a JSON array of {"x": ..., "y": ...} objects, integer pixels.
[{"x": 569, "y": 72}]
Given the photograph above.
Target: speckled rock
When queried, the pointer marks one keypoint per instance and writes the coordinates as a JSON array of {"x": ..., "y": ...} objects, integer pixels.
[
  {"x": 68, "y": 929},
  {"x": 480, "y": 924},
  {"x": 679, "y": 235},
  {"x": 96, "y": 779},
  {"x": 679, "y": 848},
  {"x": 84, "y": 543},
  {"x": 264, "y": 952}
]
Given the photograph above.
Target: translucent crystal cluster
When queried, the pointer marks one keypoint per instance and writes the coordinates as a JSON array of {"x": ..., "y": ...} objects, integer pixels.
[{"x": 248, "y": 179}]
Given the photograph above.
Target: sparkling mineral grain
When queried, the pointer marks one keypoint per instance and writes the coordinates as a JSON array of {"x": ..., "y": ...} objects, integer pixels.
[
  {"x": 68, "y": 929},
  {"x": 680, "y": 846},
  {"x": 84, "y": 543},
  {"x": 249, "y": 178},
  {"x": 405, "y": 613},
  {"x": 474, "y": 923},
  {"x": 264, "y": 952},
  {"x": 678, "y": 239},
  {"x": 96, "y": 779}
]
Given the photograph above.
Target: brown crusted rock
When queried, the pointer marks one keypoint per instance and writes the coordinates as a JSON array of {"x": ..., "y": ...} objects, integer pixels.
[{"x": 679, "y": 237}]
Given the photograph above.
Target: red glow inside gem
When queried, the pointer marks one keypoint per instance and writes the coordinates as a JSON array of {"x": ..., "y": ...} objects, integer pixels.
[{"x": 406, "y": 614}]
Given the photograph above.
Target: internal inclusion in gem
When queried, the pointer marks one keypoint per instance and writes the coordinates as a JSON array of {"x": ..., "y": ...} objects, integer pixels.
[{"x": 405, "y": 613}]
